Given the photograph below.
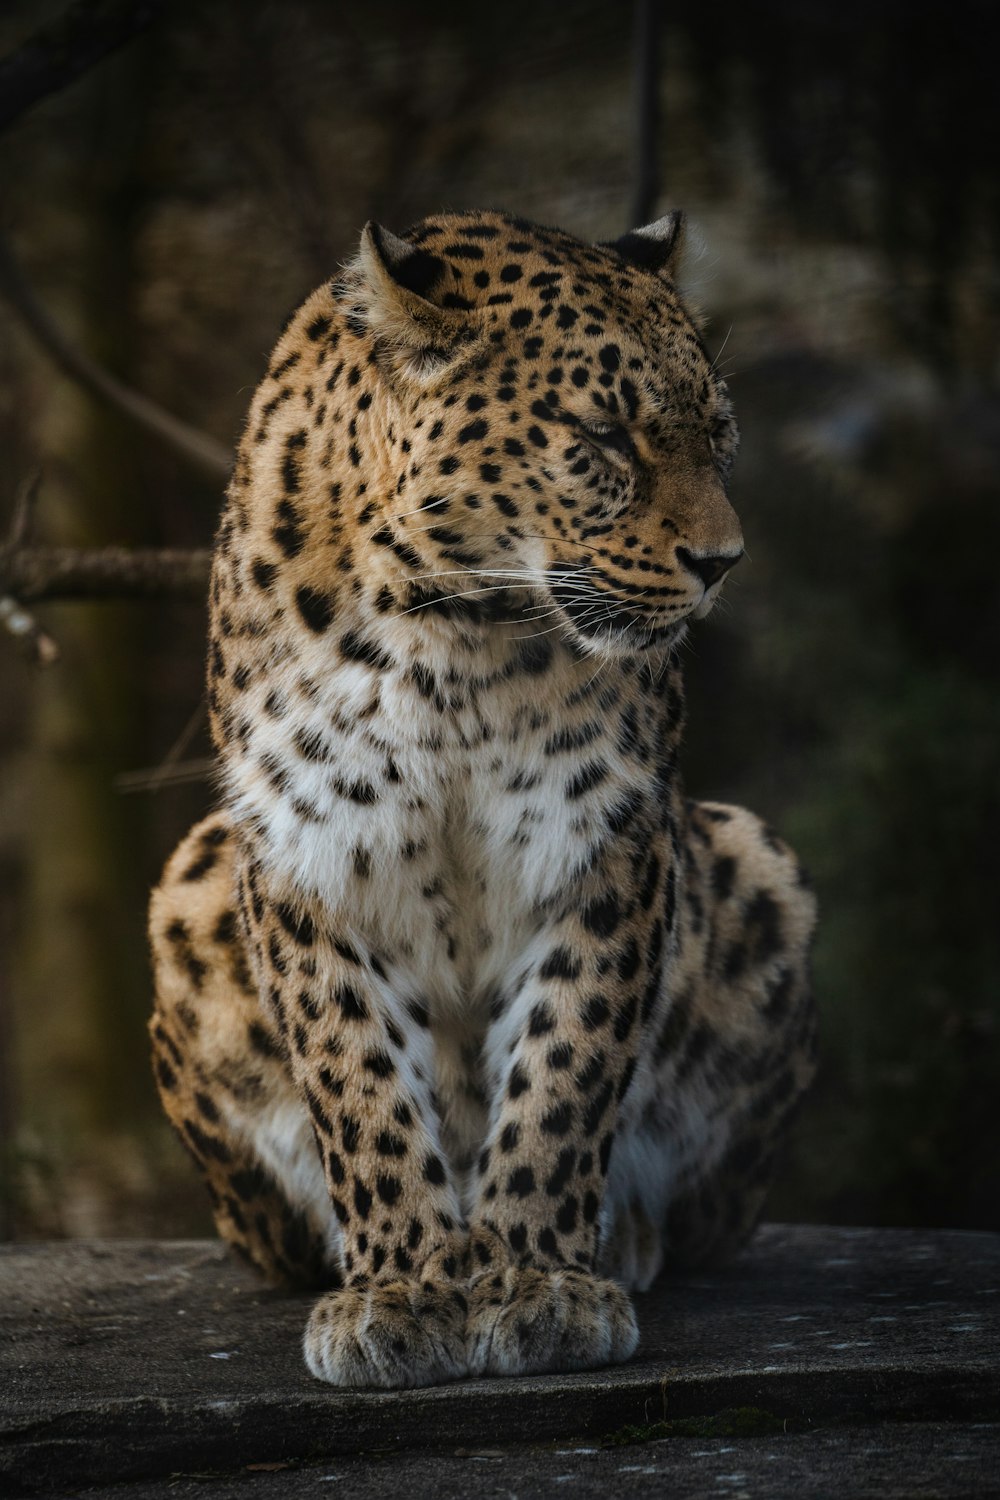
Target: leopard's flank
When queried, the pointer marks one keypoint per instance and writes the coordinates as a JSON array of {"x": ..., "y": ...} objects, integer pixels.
[{"x": 468, "y": 1018}]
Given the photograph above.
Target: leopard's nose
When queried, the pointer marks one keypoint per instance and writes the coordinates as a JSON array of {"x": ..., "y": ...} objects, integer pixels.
[{"x": 709, "y": 568}]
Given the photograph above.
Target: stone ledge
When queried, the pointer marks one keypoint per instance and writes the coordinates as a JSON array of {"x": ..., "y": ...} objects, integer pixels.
[{"x": 130, "y": 1360}]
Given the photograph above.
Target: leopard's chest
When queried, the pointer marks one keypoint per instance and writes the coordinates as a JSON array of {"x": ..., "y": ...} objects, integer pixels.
[{"x": 444, "y": 836}]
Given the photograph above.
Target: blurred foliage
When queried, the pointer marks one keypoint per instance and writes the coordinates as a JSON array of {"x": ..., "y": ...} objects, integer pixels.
[{"x": 840, "y": 162}]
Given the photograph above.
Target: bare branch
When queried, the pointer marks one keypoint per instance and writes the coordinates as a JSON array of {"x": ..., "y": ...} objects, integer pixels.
[
  {"x": 71, "y": 45},
  {"x": 35, "y": 573},
  {"x": 198, "y": 447}
]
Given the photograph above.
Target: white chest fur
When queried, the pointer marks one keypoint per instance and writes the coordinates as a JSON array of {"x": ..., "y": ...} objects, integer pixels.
[{"x": 440, "y": 816}]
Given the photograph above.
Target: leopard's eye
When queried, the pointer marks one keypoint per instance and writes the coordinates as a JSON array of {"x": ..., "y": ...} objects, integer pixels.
[{"x": 610, "y": 435}]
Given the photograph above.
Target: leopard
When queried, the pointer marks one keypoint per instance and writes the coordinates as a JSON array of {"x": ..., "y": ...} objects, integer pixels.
[{"x": 472, "y": 1021}]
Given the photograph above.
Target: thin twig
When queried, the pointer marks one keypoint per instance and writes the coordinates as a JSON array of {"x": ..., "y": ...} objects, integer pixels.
[
  {"x": 171, "y": 770},
  {"x": 153, "y": 779},
  {"x": 211, "y": 456}
]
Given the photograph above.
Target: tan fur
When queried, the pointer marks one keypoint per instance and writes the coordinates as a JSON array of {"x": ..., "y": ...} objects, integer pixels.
[{"x": 460, "y": 1006}]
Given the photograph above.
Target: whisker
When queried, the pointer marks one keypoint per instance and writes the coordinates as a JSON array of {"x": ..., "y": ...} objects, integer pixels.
[{"x": 725, "y": 341}]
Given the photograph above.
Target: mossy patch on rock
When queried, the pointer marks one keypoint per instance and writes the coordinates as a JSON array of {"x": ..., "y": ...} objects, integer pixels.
[{"x": 732, "y": 1422}]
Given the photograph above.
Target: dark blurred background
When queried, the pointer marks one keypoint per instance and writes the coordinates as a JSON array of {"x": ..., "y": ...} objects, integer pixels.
[{"x": 838, "y": 162}]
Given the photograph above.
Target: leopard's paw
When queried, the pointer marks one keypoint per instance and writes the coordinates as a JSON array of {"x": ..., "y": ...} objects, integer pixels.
[
  {"x": 400, "y": 1333},
  {"x": 525, "y": 1321}
]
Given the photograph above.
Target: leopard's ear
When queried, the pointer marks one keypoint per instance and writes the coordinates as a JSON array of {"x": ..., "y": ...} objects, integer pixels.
[
  {"x": 655, "y": 247},
  {"x": 408, "y": 299}
]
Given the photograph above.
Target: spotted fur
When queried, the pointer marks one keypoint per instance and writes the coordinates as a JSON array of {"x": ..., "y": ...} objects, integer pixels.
[{"x": 462, "y": 1010}]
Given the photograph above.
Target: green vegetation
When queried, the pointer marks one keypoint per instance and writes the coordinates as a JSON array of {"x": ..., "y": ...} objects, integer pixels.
[{"x": 732, "y": 1422}]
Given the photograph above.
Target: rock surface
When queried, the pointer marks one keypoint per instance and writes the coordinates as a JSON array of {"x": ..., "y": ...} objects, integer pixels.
[{"x": 866, "y": 1361}]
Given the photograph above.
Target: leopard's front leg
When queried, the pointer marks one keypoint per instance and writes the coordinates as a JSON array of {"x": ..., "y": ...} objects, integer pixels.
[
  {"x": 364, "y": 1070},
  {"x": 563, "y": 1054}
]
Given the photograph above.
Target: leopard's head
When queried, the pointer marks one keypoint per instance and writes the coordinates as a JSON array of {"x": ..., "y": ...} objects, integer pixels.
[{"x": 559, "y": 439}]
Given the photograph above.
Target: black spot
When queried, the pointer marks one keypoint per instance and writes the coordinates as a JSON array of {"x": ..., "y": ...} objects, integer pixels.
[
  {"x": 380, "y": 1063},
  {"x": 355, "y": 648},
  {"x": 521, "y": 1182},
  {"x": 560, "y": 964},
  {"x": 262, "y": 1040},
  {"x": 362, "y": 1200},
  {"x": 166, "y": 1074},
  {"x": 315, "y": 608},
  {"x": 205, "y": 1145},
  {"x": 464, "y": 252},
  {"x": 602, "y": 916},
  {"x": 288, "y": 532},
  {"x": 535, "y": 657},
  {"x": 559, "y": 1120},
  {"x": 250, "y": 1183},
  {"x": 597, "y": 1107},
  {"x": 434, "y": 1170},
  {"x": 387, "y": 1144},
  {"x": 541, "y": 1020},
  {"x": 566, "y": 1217},
  {"x": 388, "y": 1189},
  {"x": 595, "y": 1013},
  {"x": 206, "y": 1107},
  {"x": 763, "y": 921},
  {"x": 518, "y": 1083},
  {"x": 723, "y": 874},
  {"x": 628, "y": 959},
  {"x": 517, "y": 1237},
  {"x": 298, "y": 925},
  {"x": 290, "y": 464},
  {"x": 352, "y": 1006},
  {"x": 623, "y": 813},
  {"x": 586, "y": 779},
  {"x": 473, "y": 431},
  {"x": 565, "y": 1163},
  {"x": 648, "y": 889}
]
